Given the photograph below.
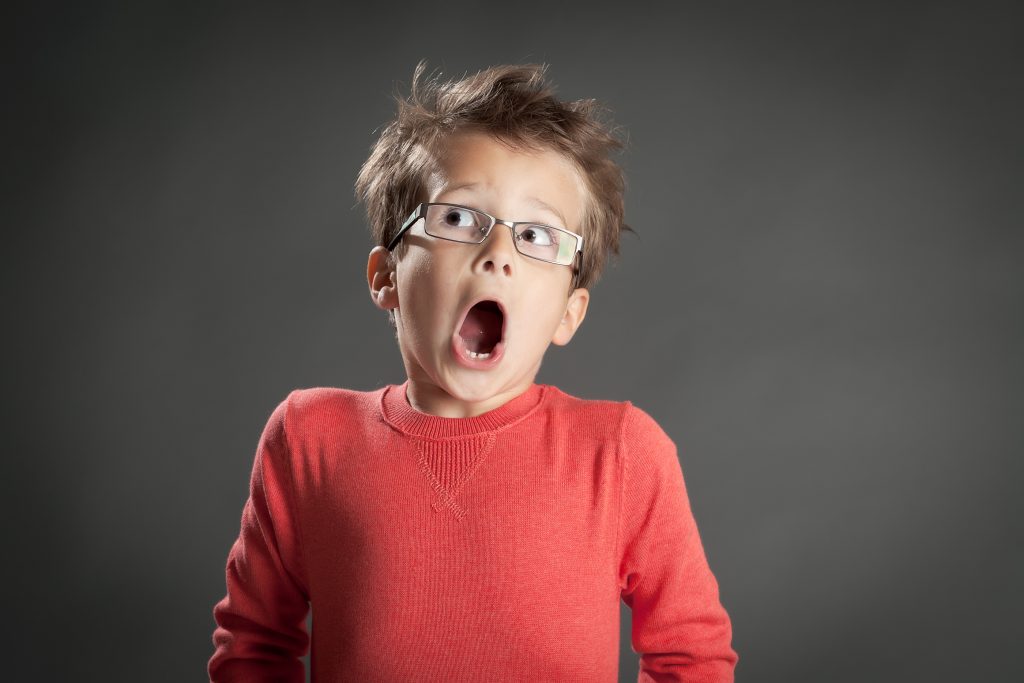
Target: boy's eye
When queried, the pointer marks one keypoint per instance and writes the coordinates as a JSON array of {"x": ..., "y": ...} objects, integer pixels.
[
  {"x": 540, "y": 236},
  {"x": 459, "y": 218}
]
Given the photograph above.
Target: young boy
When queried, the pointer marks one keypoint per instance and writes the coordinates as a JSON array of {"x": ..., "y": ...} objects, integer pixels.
[{"x": 470, "y": 524}]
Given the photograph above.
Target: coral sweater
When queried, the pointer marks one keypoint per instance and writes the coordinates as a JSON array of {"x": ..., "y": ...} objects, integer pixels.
[{"x": 488, "y": 548}]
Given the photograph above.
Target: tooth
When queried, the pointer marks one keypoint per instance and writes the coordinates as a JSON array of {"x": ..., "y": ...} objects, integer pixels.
[{"x": 474, "y": 354}]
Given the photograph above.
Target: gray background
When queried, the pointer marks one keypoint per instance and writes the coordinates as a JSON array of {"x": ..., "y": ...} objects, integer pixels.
[{"x": 823, "y": 308}]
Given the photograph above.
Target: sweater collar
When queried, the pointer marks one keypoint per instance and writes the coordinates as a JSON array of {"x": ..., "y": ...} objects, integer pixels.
[{"x": 399, "y": 414}]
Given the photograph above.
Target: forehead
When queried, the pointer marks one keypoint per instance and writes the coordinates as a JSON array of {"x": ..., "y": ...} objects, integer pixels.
[{"x": 528, "y": 184}]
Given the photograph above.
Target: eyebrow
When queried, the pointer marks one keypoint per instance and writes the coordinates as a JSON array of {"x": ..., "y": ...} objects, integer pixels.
[
  {"x": 547, "y": 207},
  {"x": 536, "y": 201},
  {"x": 456, "y": 188}
]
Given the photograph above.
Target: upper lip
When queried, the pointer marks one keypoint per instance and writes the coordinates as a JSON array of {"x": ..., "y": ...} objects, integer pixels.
[{"x": 485, "y": 297}]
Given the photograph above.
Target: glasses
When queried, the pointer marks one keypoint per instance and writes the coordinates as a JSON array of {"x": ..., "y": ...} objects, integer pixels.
[{"x": 463, "y": 224}]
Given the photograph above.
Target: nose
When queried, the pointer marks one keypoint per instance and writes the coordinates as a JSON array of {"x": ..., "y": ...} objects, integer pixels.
[{"x": 498, "y": 251}]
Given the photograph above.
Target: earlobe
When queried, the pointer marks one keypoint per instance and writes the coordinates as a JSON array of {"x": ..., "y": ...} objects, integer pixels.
[
  {"x": 380, "y": 276},
  {"x": 575, "y": 312}
]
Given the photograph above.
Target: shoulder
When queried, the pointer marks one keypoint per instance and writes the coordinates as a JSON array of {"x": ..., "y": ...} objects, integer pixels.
[
  {"x": 641, "y": 431},
  {"x": 620, "y": 420},
  {"x": 316, "y": 410},
  {"x": 596, "y": 413}
]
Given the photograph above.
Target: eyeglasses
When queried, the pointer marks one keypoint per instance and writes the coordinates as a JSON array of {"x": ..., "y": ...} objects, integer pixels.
[{"x": 463, "y": 224}]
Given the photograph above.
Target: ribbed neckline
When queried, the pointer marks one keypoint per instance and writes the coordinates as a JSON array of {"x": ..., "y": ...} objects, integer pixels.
[{"x": 399, "y": 414}]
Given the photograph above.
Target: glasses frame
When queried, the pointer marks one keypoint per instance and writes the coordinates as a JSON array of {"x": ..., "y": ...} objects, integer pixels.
[{"x": 421, "y": 212}]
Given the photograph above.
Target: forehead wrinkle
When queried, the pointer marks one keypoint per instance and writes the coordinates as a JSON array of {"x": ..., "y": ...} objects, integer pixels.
[{"x": 455, "y": 188}]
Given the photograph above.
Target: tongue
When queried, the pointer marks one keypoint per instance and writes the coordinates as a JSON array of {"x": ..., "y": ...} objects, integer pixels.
[{"x": 482, "y": 327}]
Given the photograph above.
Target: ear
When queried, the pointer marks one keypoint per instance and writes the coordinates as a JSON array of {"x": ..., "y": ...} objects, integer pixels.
[
  {"x": 380, "y": 275},
  {"x": 575, "y": 312}
]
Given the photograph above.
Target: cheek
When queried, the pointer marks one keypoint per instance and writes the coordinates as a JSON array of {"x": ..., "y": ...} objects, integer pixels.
[
  {"x": 546, "y": 314},
  {"x": 425, "y": 298}
]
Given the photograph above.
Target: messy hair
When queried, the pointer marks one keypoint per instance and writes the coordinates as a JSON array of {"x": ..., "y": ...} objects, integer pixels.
[{"x": 515, "y": 104}]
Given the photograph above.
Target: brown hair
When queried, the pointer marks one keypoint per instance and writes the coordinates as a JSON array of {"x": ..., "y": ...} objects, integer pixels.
[{"x": 515, "y": 104}]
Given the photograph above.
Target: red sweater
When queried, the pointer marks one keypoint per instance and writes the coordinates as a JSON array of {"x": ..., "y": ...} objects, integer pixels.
[{"x": 488, "y": 548}]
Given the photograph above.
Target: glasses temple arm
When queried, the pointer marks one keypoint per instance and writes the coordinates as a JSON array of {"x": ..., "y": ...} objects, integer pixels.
[{"x": 413, "y": 217}]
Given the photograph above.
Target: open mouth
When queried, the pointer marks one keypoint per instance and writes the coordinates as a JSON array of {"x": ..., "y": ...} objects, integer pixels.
[{"x": 482, "y": 328}]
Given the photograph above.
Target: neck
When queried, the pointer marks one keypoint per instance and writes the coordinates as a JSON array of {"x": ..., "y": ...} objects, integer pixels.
[{"x": 431, "y": 399}]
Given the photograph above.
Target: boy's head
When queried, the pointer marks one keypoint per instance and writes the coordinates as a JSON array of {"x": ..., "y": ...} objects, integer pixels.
[{"x": 476, "y": 301}]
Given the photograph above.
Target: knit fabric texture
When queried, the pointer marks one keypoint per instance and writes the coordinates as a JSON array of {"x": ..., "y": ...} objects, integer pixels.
[{"x": 488, "y": 548}]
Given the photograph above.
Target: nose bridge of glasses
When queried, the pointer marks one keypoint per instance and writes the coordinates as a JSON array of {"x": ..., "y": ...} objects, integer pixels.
[
  {"x": 495, "y": 223},
  {"x": 490, "y": 247}
]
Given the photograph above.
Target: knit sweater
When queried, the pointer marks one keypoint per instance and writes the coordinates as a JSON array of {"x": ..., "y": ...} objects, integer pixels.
[{"x": 487, "y": 548}]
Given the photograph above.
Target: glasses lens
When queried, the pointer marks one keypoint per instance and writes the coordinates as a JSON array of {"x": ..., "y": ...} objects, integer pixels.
[
  {"x": 456, "y": 223},
  {"x": 547, "y": 243}
]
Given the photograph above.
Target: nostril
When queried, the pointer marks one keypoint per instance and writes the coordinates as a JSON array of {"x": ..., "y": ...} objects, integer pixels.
[{"x": 491, "y": 266}]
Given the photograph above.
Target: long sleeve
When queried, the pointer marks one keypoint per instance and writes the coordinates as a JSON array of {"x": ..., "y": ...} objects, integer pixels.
[
  {"x": 680, "y": 628},
  {"x": 261, "y": 622}
]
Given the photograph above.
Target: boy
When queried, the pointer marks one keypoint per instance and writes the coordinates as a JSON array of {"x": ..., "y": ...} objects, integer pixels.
[{"x": 471, "y": 525}]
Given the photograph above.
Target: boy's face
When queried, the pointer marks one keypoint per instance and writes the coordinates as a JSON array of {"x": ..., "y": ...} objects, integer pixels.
[{"x": 436, "y": 283}]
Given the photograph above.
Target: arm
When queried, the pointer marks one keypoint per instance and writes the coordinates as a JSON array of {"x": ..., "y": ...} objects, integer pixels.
[
  {"x": 261, "y": 622},
  {"x": 680, "y": 628}
]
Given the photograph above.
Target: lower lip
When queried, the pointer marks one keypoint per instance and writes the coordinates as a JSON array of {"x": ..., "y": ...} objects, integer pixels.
[{"x": 461, "y": 353}]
